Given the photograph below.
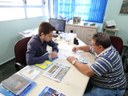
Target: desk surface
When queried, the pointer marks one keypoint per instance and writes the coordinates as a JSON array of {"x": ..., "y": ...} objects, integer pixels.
[{"x": 74, "y": 83}]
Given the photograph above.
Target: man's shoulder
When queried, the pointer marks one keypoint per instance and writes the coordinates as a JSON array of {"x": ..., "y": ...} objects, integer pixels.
[
  {"x": 110, "y": 54},
  {"x": 34, "y": 40},
  {"x": 110, "y": 51}
]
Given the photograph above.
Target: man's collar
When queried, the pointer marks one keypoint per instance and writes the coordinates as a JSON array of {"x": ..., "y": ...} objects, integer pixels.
[
  {"x": 40, "y": 39},
  {"x": 107, "y": 49}
]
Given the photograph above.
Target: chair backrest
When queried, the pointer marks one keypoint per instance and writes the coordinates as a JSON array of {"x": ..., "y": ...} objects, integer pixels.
[
  {"x": 117, "y": 42},
  {"x": 20, "y": 51}
]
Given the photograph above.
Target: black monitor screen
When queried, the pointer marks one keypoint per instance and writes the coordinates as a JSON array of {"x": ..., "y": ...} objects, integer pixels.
[{"x": 59, "y": 24}]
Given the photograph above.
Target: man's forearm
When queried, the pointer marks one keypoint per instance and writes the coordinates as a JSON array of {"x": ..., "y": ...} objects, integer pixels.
[
  {"x": 31, "y": 60},
  {"x": 84, "y": 48},
  {"x": 84, "y": 69}
]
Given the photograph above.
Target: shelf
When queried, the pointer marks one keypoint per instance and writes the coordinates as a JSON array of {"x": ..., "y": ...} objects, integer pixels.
[{"x": 115, "y": 30}]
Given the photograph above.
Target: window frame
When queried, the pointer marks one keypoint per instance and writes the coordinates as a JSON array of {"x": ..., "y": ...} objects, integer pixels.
[
  {"x": 92, "y": 16},
  {"x": 23, "y": 5}
]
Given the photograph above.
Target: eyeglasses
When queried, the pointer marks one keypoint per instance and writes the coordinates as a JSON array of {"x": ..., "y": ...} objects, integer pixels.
[{"x": 92, "y": 44}]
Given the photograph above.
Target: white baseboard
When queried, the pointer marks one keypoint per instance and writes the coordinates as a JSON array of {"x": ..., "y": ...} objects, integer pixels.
[{"x": 6, "y": 60}]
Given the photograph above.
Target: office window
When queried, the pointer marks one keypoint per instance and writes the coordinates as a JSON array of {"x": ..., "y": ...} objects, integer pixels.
[
  {"x": 21, "y": 9},
  {"x": 88, "y": 10},
  {"x": 11, "y": 13},
  {"x": 11, "y": 3},
  {"x": 63, "y": 8},
  {"x": 11, "y": 9},
  {"x": 46, "y": 7},
  {"x": 34, "y": 12},
  {"x": 34, "y": 2},
  {"x": 34, "y": 8}
]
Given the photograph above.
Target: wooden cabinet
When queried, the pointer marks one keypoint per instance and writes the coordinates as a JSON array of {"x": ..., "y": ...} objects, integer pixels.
[{"x": 84, "y": 33}]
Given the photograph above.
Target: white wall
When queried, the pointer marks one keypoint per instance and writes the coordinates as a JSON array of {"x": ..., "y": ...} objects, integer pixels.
[
  {"x": 113, "y": 12},
  {"x": 9, "y": 35}
]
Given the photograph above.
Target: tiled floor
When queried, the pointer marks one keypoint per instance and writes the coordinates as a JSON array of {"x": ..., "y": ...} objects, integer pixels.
[{"x": 8, "y": 69}]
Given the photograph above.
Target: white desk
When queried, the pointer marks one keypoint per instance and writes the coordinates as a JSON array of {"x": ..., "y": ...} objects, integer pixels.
[{"x": 74, "y": 83}]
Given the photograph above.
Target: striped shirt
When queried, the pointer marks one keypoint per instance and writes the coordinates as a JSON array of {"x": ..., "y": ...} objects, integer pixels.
[{"x": 108, "y": 70}]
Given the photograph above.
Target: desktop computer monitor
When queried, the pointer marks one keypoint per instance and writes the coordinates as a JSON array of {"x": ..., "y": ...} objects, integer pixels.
[{"x": 59, "y": 24}]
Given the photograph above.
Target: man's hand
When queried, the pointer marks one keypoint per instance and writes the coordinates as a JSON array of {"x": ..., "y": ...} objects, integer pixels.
[
  {"x": 75, "y": 49},
  {"x": 71, "y": 59},
  {"x": 53, "y": 55}
]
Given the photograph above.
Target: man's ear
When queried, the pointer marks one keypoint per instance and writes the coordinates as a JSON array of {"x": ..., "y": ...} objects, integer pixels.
[
  {"x": 42, "y": 33},
  {"x": 100, "y": 46}
]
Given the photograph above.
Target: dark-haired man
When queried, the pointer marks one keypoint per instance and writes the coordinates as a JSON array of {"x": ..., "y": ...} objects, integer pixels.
[
  {"x": 37, "y": 46},
  {"x": 106, "y": 74}
]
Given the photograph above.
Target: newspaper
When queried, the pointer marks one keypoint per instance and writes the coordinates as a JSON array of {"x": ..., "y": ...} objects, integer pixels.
[{"x": 57, "y": 71}]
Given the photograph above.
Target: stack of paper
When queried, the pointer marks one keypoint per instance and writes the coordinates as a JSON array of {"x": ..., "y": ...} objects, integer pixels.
[
  {"x": 30, "y": 72},
  {"x": 18, "y": 85}
]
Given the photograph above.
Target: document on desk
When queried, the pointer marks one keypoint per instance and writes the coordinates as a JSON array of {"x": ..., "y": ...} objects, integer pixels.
[
  {"x": 48, "y": 91},
  {"x": 64, "y": 54},
  {"x": 57, "y": 71},
  {"x": 29, "y": 72},
  {"x": 65, "y": 47}
]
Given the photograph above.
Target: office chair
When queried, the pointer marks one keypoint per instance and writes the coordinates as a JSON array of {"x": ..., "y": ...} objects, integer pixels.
[
  {"x": 125, "y": 60},
  {"x": 117, "y": 42},
  {"x": 20, "y": 49}
]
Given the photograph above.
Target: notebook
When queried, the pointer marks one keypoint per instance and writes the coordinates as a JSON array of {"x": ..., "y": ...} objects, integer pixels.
[
  {"x": 44, "y": 65},
  {"x": 47, "y": 91},
  {"x": 4, "y": 92},
  {"x": 16, "y": 84}
]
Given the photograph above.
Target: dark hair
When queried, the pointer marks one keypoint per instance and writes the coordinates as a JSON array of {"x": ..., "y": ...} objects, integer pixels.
[
  {"x": 45, "y": 28},
  {"x": 102, "y": 39}
]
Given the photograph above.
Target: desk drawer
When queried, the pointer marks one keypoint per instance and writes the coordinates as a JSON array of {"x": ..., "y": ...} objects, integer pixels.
[
  {"x": 89, "y": 36},
  {"x": 90, "y": 30},
  {"x": 88, "y": 41}
]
